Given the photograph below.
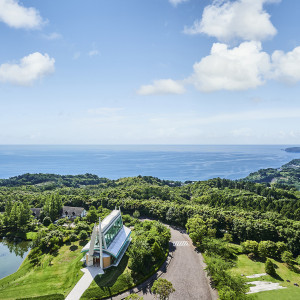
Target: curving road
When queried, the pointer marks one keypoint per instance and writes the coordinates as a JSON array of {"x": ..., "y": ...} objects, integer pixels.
[{"x": 184, "y": 268}]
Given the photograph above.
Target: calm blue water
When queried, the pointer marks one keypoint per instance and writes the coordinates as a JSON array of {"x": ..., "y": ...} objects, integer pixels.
[
  {"x": 165, "y": 162},
  {"x": 11, "y": 256}
]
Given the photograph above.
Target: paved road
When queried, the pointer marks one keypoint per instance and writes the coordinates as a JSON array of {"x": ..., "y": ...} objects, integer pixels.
[{"x": 185, "y": 269}]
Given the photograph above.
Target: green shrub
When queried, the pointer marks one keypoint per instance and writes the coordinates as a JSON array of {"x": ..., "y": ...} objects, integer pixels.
[
  {"x": 288, "y": 258},
  {"x": 136, "y": 214},
  {"x": 269, "y": 267},
  {"x": 83, "y": 235},
  {"x": 250, "y": 247},
  {"x": 267, "y": 249}
]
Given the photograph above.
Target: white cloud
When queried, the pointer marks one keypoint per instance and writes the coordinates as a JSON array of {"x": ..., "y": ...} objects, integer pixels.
[
  {"x": 15, "y": 15},
  {"x": 93, "y": 53},
  {"x": 286, "y": 66},
  {"x": 163, "y": 86},
  {"x": 241, "y": 19},
  {"x": 240, "y": 68},
  {"x": 52, "y": 36},
  {"x": 176, "y": 2},
  {"x": 30, "y": 68}
]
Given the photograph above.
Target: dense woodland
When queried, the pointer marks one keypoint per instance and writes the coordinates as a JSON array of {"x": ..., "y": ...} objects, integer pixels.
[
  {"x": 287, "y": 175},
  {"x": 247, "y": 210},
  {"x": 263, "y": 217}
]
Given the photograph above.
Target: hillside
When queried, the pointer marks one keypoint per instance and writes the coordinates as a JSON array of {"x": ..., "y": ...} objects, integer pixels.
[
  {"x": 288, "y": 174},
  {"x": 293, "y": 149}
]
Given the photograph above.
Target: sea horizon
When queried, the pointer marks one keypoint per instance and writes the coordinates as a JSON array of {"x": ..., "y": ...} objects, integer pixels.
[{"x": 170, "y": 162}]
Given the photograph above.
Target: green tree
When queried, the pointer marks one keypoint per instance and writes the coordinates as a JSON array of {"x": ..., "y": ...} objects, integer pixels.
[
  {"x": 162, "y": 288},
  {"x": 250, "y": 247},
  {"x": 14, "y": 216},
  {"x": 92, "y": 215},
  {"x": 157, "y": 252},
  {"x": 267, "y": 249},
  {"x": 288, "y": 258},
  {"x": 139, "y": 255},
  {"x": 83, "y": 235},
  {"x": 281, "y": 247},
  {"x": 196, "y": 229},
  {"x": 227, "y": 237},
  {"x": 269, "y": 267},
  {"x": 136, "y": 214},
  {"x": 52, "y": 207}
]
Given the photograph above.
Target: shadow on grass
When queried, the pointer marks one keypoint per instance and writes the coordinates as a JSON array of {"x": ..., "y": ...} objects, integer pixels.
[
  {"x": 276, "y": 276},
  {"x": 73, "y": 248},
  {"x": 82, "y": 243},
  {"x": 258, "y": 259},
  {"x": 111, "y": 275},
  {"x": 294, "y": 268}
]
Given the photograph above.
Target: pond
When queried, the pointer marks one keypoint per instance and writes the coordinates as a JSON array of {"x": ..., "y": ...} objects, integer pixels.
[{"x": 12, "y": 255}]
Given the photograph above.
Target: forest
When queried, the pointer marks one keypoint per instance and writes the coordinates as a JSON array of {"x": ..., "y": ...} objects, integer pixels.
[
  {"x": 262, "y": 217},
  {"x": 287, "y": 175},
  {"x": 247, "y": 210}
]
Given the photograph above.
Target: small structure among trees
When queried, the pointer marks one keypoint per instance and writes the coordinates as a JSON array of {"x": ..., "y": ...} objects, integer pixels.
[{"x": 54, "y": 209}]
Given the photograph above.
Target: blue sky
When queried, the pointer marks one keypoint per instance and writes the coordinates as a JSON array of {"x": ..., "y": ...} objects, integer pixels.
[{"x": 149, "y": 72}]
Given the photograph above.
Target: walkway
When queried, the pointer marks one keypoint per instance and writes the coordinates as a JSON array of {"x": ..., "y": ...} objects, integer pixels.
[{"x": 89, "y": 274}]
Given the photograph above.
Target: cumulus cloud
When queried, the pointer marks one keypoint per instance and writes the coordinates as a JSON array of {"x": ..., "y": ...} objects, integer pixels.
[
  {"x": 13, "y": 14},
  {"x": 29, "y": 69},
  {"x": 176, "y": 2},
  {"x": 163, "y": 86},
  {"x": 240, "y": 68},
  {"x": 286, "y": 66},
  {"x": 241, "y": 19}
]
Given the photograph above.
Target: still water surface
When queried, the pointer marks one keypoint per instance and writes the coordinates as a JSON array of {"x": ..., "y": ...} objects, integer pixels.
[
  {"x": 12, "y": 255},
  {"x": 182, "y": 162}
]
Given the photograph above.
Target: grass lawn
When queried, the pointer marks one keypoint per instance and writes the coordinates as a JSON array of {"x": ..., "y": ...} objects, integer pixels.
[
  {"x": 291, "y": 293},
  {"x": 248, "y": 267},
  {"x": 57, "y": 277}
]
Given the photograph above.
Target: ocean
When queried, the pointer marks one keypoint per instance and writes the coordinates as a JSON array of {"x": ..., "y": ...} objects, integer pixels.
[{"x": 182, "y": 162}]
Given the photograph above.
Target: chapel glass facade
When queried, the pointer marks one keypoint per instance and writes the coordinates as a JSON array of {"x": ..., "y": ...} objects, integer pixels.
[{"x": 113, "y": 231}]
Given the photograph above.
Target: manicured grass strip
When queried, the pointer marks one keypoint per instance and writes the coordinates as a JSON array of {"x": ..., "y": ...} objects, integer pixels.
[
  {"x": 59, "y": 275},
  {"x": 291, "y": 293}
]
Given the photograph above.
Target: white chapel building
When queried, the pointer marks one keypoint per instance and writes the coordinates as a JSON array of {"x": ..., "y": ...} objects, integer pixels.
[{"x": 109, "y": 241}]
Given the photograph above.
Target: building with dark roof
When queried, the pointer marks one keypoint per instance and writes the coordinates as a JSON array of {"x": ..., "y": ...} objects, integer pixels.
[{"x": 72, "y": 212}]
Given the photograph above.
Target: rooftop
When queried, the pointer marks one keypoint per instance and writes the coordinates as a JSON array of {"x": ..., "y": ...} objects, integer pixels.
[
  {"x": 71, "y": 210},
  {"x": 109, "y": 219},
  {"x": 119, "y": 240}
]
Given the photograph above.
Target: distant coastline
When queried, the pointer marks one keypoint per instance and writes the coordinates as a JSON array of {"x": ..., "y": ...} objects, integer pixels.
[{"x": 293, "y": 149}]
